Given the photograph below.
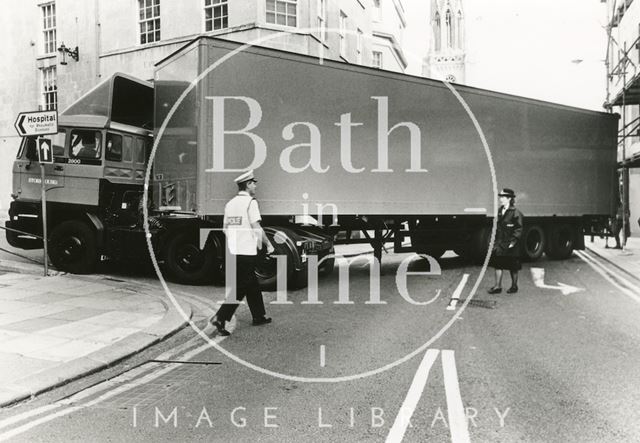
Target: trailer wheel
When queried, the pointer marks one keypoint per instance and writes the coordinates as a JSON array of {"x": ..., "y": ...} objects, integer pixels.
[
  {"x": 72, "y": 247},
  {"x": 560, "y": 241},
  {"x": 186, "y": 262},
  {"x": 533, "y": 242}
]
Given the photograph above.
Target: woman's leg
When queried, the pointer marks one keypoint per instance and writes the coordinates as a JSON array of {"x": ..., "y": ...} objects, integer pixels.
[
  {"x": 498, "y": 278},
  {"x": 514, "y": 282}
]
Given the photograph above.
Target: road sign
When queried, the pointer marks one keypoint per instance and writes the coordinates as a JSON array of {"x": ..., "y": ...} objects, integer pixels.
[
  {"x": 37, "y": 123},
  {"x": 45, "y": 150}
]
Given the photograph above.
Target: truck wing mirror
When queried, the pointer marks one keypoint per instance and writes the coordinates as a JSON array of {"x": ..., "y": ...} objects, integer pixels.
[{"x": 31, "y": 149}]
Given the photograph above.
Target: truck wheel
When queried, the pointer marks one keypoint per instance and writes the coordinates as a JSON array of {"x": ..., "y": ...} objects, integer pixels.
[
  {"x": 72, "y": 247},
  {"x": 476, "y": 251},
  {"x": 326, "y": 267},
  {"x": 560, "y": 241},
  {"x": 533, "y": 242},
  {"x": 186, "y": 262},
  {"x": 267, "y": 266}
]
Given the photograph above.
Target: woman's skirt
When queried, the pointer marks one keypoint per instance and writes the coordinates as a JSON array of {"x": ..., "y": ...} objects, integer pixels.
[{"x": 505, "y": 262}]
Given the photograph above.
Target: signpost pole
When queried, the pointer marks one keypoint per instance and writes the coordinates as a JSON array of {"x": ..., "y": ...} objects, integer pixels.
[
  {"x": 45, "y": 239},
  {"x": 40, "y": 123}
]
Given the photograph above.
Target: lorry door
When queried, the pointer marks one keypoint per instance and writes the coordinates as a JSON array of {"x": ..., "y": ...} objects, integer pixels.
[
  {"x": 125, "y": 161},
  {"x": 83, "y": 166},
  {"x": 28, "y": 170}
]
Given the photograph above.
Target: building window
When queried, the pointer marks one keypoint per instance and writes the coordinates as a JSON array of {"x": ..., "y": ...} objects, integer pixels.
[
  {"x": 322, "y": 19},
  {"x": 216, "y": 15},
  {"x": 376, "y": 59},
  {"x": 343, "y": 33},
  {"x": 438, "y": 32},
  {"x": 359, "y": 46},
  {"x": 459, "y": 27},
  {"x": 49, "y": 27},
  {"x": 149, "y": 21},
  {"x": 282, "y": 12},
  {"x": 449, "y": 29},
  {"x": 49, "y": 89},
  {"x": 377, "y": 11}
]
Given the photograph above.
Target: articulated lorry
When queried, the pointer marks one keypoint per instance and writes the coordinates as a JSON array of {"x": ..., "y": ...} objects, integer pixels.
[{"x": 338, "y": 149}]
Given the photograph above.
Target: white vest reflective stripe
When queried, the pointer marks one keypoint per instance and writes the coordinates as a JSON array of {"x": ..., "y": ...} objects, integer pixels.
[{"x": 239, "y": 213}]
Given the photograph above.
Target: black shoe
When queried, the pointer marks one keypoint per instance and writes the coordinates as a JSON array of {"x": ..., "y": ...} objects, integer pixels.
[
  {"x": 495, "y": 290},
  {"x": 261, "y": 321},
  {"x": 513, "y": 289},
  {"x": 219, "y": 325}
]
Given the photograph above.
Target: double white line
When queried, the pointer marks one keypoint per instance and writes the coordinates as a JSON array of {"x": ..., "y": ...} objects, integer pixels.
[
  {"x": 455, "y": 409},
  {"x": 628, "y": 288}
]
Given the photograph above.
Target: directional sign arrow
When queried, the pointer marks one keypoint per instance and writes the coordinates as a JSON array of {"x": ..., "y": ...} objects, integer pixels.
[
  {"x": 538, "y": 280},
  {"x": 20, "y": 127}
]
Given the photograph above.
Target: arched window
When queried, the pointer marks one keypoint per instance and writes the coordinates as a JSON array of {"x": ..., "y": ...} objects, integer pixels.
[
  {"x": 449, "y": 29},
  {"x": 459, "y": 30},
  {"x": 438, "y": 32}
]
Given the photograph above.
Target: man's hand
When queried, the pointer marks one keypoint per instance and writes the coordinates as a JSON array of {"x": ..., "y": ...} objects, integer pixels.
[{"x": 270, "y": 248}]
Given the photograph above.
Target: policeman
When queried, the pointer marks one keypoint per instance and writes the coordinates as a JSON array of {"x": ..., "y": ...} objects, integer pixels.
[{"x": 244, "y": 237}]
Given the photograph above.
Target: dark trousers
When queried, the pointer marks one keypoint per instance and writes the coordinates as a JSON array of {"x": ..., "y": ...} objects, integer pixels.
[{"x": 246, "y": 286}]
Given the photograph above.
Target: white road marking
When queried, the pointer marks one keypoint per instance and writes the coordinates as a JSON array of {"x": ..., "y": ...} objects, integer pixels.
[
  {"x": 28, "y": 414},
  {"x": 600, "y": 269},
  {"x": 322, "y": 351},
  {"x": 156, "y": 371},
  {"x": 538, "y": 279},
  {"x": 455, "y": 408},
  {"x": 396, "y": 434},
  {"x": 456, "y": 294}
]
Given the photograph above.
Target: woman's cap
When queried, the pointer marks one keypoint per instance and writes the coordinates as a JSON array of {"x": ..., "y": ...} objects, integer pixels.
[{"x": 506, "y": 192}]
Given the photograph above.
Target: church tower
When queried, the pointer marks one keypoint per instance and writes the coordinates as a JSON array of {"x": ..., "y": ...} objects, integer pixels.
[{"x": 446, "y": 58}]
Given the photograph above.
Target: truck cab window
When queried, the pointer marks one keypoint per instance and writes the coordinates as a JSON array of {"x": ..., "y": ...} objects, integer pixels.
[
  {"x": 85, "y": 144},
  {"x": 58, "y": 140},
  {"x": 114, "y": 147},
  {"x": 29, "y": 146}
]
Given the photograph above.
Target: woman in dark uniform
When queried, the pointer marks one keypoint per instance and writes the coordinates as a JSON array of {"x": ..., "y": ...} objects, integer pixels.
[{"x": 506, "y": 249}]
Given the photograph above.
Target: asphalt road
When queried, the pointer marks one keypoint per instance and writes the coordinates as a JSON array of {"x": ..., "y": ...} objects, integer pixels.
[{"x": 541, "y": 365}]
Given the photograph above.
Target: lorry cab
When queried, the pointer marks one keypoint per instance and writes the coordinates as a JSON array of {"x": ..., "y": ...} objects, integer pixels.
[
  {"x": 100, "y": 155},
  {"x": 88, "y": 160}
]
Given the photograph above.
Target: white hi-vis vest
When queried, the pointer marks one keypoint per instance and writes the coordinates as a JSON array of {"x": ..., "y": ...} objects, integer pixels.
[{"x": 239, "y": 213}]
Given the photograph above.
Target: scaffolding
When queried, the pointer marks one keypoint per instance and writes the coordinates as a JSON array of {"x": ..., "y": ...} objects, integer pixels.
[{"x": 623, "y": 72}]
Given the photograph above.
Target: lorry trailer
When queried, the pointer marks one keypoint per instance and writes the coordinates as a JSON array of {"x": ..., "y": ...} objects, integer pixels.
[{"x": 337, "y": 148}]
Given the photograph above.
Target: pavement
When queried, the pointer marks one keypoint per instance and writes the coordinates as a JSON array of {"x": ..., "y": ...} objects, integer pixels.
[
  {"x": 59, "y": 328},
  {"x": 626, "y": 260}
]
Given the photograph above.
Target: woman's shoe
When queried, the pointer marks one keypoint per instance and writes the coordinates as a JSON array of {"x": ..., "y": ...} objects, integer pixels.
[
  {"x": 495, "y": 290},
  {"x": 513, "y": 289}
]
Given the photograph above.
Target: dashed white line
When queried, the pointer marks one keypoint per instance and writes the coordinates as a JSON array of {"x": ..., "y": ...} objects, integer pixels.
[{"x": 456, "y": 294}]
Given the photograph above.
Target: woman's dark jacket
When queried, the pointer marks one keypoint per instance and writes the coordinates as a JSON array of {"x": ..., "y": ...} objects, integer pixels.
[{"x": 508, "y": 232}]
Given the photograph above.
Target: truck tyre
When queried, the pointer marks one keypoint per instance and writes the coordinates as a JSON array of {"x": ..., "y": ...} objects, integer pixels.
[
  {"x": 325, "y": 268},
  {"x": 533, "y": 242},
  {"x": 72, "y": 247},
  {"x": 267, "y": 265},
  {"x": 479, "y": 245},
  {"x": 186, "y": 262},
  {"x": 560, "y": 241}
]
